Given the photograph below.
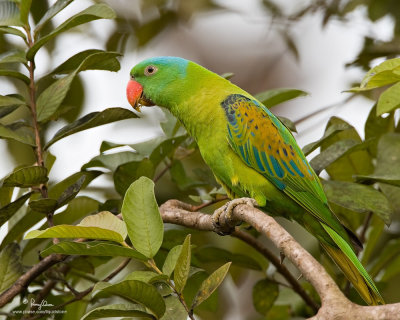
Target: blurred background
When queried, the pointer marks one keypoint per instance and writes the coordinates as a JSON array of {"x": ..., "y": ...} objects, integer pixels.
[{"x": 321, "y": 47}]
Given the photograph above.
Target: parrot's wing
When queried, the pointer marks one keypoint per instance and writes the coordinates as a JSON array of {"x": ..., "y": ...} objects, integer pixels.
[{"x": 267, "y": 146}]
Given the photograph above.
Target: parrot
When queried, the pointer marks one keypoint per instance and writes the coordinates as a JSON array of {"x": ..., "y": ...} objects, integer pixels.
[{"x": 250, "y": 152}]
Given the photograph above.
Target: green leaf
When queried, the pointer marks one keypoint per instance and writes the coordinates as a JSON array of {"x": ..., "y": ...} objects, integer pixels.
[
  {"x": 389, "y": 99},
  {"x": 25, "y": 6},
  {"x": 136, "y": 291},
  {"x": 95, "y": 12},
  {"x": 20, "y": 135},
  {"x": 329, "y": 133},
  {"x": 14, "y": 31},
  {"x": 103, "y": 225},
  {"x": 166, "y": 149},
  {"x": 108, "y": 145},
  {"x": 182, "y": 266},
  {"x": 10, "y": 209},
  {"x": 376, "y": 126},
  {"x": 9, "y": 13},
  {"x": 57, "y": 190},
  {"x": 357, "y": 162},
  {"x": 390, "y": 251},
  {"x": 373, "y": 236},
  {"x": 51, "y": 12},
  {"x": 118, "y": 310},
  {"x": 227, "y": 75},
  {"x": 213, "y": 254},
  {"x": 142, "y": 217},
  {"x": 91, "y": 120},
  {"x": 26, "y": 177},
  {"x": 76, "y": 210},
  {"x": 26, "y": 220},
  {"x": 358, "y": 198},
  {"x": 51, "y": 98},
  {"x": 384, "y": 74},
  {"x": 66, "y": 231},
  {"x": 10, "y": 103},
  {"x": 209, "y": 285},
  {"x": 265, "y": 293},
  {"x": 44, "y": 206},
  {"x": 146, "y": 276},
  {"x": 280, "y": 312},
  {"x": 93, "y": 248},
  {"x": 5, "y": 195},
  {"x": 392, "y": 269},
  {"x": 126, "y": 173},
  {"x": 92, "y": 59},
  {"x": 10, "y": 266},
  {"x": 332, "y": 153},
  {"x": 68, "y": 194},
  {"x": 105, "y": 220},
  {"x": 170, "y": 260},
  {"x": 13, "y": 56},
  {"x": 174, "y": 309},
  {"x": 16, "y": 75},
  {"x": 112, "y": 161},
  {"x": 288, "y": 123},
  {"x": 387, "y": 169},
  {"x": 273, "y": 97}
]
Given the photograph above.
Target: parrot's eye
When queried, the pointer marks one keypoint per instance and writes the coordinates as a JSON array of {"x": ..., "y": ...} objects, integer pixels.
[{"x": 150, "y": 70}]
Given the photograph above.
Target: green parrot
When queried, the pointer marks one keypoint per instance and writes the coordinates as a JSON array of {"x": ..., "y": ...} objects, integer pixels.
[{"x": 250, "y": 151}]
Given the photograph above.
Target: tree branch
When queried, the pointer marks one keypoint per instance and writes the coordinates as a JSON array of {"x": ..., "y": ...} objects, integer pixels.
[
  {"x": 23, "y": 281},
  {"x": 334, "y": 304},
  {"x": 294, "y": 284}
]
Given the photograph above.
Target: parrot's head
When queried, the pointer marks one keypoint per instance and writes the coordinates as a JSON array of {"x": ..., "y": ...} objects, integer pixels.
[{"x": 156, "y": 81}]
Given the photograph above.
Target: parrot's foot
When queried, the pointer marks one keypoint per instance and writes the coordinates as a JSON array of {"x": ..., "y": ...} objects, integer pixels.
[{"x": 227, "y": 225}]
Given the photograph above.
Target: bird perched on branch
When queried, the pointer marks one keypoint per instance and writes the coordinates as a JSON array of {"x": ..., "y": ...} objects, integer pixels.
[{"x": 250, "y": 151}]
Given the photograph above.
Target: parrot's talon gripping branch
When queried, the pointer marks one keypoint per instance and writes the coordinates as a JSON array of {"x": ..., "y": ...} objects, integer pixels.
[{"x": 222, "y": 219}]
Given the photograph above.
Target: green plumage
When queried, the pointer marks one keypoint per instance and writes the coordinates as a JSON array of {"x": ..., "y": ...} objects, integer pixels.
[{"x": 252, "y": 154}]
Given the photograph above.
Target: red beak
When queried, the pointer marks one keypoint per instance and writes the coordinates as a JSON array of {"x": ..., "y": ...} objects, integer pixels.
[{"x": 134, "y": 91}]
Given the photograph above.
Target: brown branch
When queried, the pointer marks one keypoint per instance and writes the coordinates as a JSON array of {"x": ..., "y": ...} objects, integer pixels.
[
  {"x": 23, "y": 281},
  {"x": 294, "y": 284},
  {"x": 80, "y": 295},
  {"x": 365, "y": 227},
  {"x": 36, "y": 127},
  {"x": 209, "y": 203},
  {"x": 162, "y": 172},
  {"x": 334, "y": 304}
]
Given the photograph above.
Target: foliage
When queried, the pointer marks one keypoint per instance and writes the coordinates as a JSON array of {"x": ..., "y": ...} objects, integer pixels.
[{"x": 173, "y": 272}]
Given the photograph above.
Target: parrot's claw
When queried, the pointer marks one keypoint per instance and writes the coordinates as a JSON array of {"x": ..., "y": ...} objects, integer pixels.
[{"x": 222, "y": 217}]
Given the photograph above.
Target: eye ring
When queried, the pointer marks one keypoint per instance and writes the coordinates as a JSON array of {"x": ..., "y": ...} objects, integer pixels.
[{"x": 150, "y": 70}]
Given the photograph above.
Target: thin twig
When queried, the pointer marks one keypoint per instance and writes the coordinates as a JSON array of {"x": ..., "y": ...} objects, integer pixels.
[
  {"x": 365, "y": 227},
  {"x": 36, "y": 128},
  {"x": 24, "y": 280},
  {"x": 153, "y": 265},
  {"x": 82, "y": 294},
  {"x": 251, "y": 241},
  {"x": 162, "y": 172},
  {"x": 209, "y": 203}
]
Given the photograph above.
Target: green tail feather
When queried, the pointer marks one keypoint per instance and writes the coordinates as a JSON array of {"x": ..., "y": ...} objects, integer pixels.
[{"x": 348, "y": 262}]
